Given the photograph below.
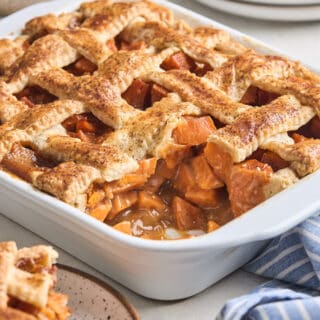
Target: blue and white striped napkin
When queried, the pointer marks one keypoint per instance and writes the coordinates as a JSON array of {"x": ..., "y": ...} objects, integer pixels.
[{"x": 294, "y": 258}]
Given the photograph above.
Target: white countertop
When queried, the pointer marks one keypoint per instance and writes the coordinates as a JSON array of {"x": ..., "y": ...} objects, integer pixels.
[{"x": 300, "y": 40}]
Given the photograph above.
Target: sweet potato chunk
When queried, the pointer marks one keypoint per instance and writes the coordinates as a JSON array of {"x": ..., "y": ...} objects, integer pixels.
[
  {"x": 111, "y": 44},
  {"x": 132, "y": 180},
  {"x": 187, "y": 216},
  {"x": 95, "y": 198},
  {"x": 121, "y": 202},
  {"x": 212, "y": 226},
  {"x": 164, "y": 171},
  {"x": 154, "y": 183},
  {"x": 264, "y": 97},
  {"x": 274, "y": 161},
  {"x": 250, "y": 96},
  {"x": 298, "y": 137},
  {"x": 184, "y": 179},
  {"x": 148, "y": 200},
  {"x": 203, "y": 173},
  {"x": 137, "y": 94},
  {"x": 219, "y": 160},
  {"x": 84, "y": 65},
  {"x": 157, "y": 93},
  {"x": 180, "y": 61},
  {"x": 193, "y": 130},
  {"x": 176, "y": 154},
  {"x": 101, "y": 211},
  {"x": 205, "y": 198},
  {"x": 315, "y": 127},
  {"x": 85, "y": 125},
  {"x": 257, "y": 97},
  {"x": 124, "y": 226},
  {"x": 246, "y": 185},
  {"x": 147, "y": 167},
  {"x": 137, "y": 45}
]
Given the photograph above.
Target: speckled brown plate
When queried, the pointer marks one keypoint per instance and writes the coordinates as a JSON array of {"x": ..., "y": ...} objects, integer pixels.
[{"x": 92, "y": 299}]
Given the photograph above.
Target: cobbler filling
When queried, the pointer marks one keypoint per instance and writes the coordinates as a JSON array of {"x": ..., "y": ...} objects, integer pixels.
[
  {"x": 35, "y": 95},
  {"x": 86, "y": 127},
  {"x": 195, "y": 189}
]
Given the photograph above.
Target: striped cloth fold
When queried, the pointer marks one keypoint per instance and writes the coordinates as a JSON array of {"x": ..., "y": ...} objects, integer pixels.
[{"x": 294, "y": 258}]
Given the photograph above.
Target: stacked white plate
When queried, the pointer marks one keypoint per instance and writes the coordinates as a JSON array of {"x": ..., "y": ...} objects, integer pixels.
[{"x": 280, "y": 10}]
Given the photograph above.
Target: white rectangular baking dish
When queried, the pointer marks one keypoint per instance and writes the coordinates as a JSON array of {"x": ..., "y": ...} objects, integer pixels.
[{"x": 163, "y": 270}]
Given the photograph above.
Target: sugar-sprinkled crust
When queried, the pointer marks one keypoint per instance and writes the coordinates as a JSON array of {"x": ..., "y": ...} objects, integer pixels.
[
  {"x": 222, "y": 73},
  {"x": 27, "y": 275}
]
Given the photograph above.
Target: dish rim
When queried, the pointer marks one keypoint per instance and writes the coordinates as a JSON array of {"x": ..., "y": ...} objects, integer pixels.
[
  {"x": 225, "y": 236},
  {"x": 105, "y": 286}
]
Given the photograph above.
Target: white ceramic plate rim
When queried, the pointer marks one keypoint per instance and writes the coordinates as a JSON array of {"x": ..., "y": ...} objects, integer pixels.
[
  {"x": 263, "y": 222},
  {"x": 105, "y": 286},
  {"x": 283, "y": 2},
  {"x": 267, "y": 12}
]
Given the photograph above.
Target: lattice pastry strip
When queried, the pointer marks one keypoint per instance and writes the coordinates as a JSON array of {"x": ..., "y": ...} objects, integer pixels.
[
  {"x": 101, "y": 93},
  {"x": 10, "y": 51},
  {"x": 79, "y": 166},
  {"x": 201, "y": 93},
  {"x": 29, "y": 124},
  {"x": 26, "y": 283},
  {"x": 9, "y": 104},
  {"x": 150, "y": 133},
  {"x": 273, "y": 74},
  {"x": 161, "y": 36},
  {"x": 31, "y": 288},
  {"x": 251, "y": 129},
  {"x": 95, "y": 32}
]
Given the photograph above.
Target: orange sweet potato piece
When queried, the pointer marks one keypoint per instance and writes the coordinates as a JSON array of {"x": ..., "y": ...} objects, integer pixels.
[
  {"x": 250, "y": 96},
  {"x": 315, "y": 127},
  {"x": 157, "y": 93},
  {"x": 121, "y": 202},
  {"x": 212, "y": 226},
  {"x": 298, "y": 137},
  {"x": 101, "y": 211},
  {"x": 137, "y": 94},
  {"x": 264, "y": 97},
  {"x": 124, "y": 226},
  {"x": 137, "y": 45},
  {"x": 180, "y": 61},
  {"x": 132, "y": 180},
  {"x": 147, "y": 167},
  {"x": 187, "y": 216},
  {"x": 176, "y": 154},
  {"x": 204, "y": 198},
  {"x": 148, "y": 200},
  {"x": 95, "y": 198},
  {"x": 204, "y": 175},
  {"x": 246, "y": 184},
  {"x": 184, "y": 179},
  {"x": 111, "y": 44},
  {"x": 273, "y": 160},
  {"x": 85, "y": 125},
  {"x": 164, "y": 171},
  {"x": 194, "y": 130},
  {"x": 219, "y": 160},
  {"x": 84, "y": 65},
  {"x": 154, "y": 183}
]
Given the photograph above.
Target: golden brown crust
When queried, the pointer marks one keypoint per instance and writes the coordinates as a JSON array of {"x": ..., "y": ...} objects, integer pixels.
[
  {"x": 250, "y": 130},
  {"x": 10, "y": 51},
  {"x": 27, "y": 277},
  {"x": 201, "y": 93},
  {"x": 96, "y": 32},
  {"x": 67, "y": 181}
]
